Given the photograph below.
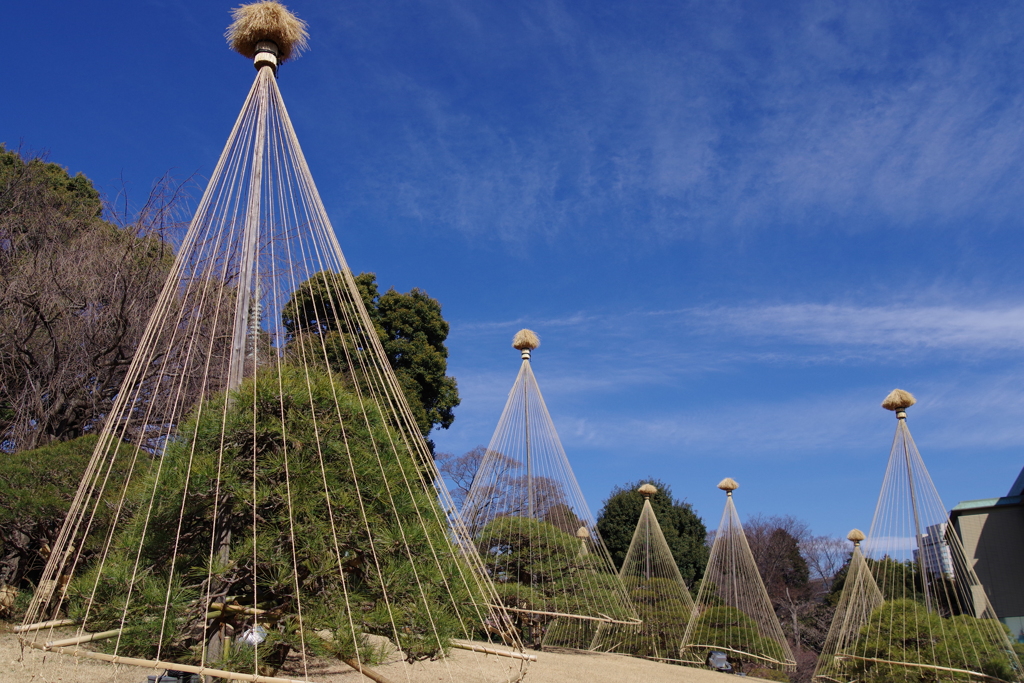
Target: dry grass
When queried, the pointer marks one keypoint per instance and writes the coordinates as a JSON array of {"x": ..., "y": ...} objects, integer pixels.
[
  {"x": 525, "y": 339},
  {"x": 898, "y": 400},
  {"x": 267, "y": 20},
  {"x": 728, "y": 484}
]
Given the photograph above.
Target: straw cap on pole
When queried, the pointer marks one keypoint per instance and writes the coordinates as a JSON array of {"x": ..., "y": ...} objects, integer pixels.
[
  {"x": 267, "y": 28},
  {"x": 728, "y": 485},
  {"x": 525, "y": 341},
  {"x": 647, "y": 490},
  {"x": 583, "y": 532},
  {"x": 855, "y": 535},
  {"x": 898, "y": 401}
]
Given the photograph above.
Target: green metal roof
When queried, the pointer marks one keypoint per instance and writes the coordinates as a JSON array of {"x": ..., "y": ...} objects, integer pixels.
[{"x": 989, "y": 503}]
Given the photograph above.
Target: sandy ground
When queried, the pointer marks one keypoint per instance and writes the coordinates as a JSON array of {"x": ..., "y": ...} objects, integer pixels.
[{"x": 35, "y": 666}]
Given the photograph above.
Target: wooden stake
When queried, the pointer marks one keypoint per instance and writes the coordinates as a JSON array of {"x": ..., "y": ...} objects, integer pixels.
[{"x": 241, "y": 609}]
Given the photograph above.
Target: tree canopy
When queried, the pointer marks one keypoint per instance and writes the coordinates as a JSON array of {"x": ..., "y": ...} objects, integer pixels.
[
  {"x": 536, "y": 566},
  {"x": 36, "y": 488},
  {"x": 411, "y": 329},
  {"x": 296, "y": 442},
  {"x": 75, "y": 294},
  {"x": 904, "y": 633},
  {"x": 684, "y": 531},
  {"x": 776, "y": 547}
]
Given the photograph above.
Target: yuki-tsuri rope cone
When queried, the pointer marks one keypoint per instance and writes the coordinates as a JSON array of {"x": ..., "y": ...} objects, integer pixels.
[
  {"x": 859, "y": 599},
  {"x": 534, "y": 530},
  {"x": 733, "y": 613},
  {"x": 261, "y": 494},
  {"x": 652, "y": 579},
  {"x": 914, "y": 609}
]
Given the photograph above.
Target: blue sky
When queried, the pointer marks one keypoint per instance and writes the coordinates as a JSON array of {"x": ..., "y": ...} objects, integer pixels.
[{"x": 735, "y": 225}]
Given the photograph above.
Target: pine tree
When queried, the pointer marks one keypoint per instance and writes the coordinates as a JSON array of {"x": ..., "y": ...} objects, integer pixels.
[{"x": 310, "y": 436}]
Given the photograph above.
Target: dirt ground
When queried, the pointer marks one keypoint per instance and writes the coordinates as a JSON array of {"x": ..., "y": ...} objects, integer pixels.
[{"x": 34, "y": 666}]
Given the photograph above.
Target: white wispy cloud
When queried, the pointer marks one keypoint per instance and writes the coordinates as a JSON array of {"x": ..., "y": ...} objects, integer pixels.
[
  {"x": 829, "y": 117},
  {"x": 712, "y": 337},
  {"x": 871, "y": 327},
  {"x": 676, "y": 351}
]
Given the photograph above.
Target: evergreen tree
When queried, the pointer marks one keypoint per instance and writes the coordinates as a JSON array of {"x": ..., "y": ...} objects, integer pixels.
[
  {"x": 906, "y": 631},
  {"x": 290, "y": 436},
  {"x": 36, "y": 488},
  {"x": 538, "y": 567},
  {"x": 411, "y": 329},
  {"x": 731, "y": 629},
  {"x": 684, "y": 531}
]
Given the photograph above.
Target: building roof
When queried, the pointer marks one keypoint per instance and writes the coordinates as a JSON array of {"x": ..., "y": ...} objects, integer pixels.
[{"x": 988, "y": 503}]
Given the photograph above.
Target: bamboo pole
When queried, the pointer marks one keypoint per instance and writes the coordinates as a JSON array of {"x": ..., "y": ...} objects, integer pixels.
[
  {"x": 603, "y": 618},
  {"x": 491, "y": 651},
  {"x": 242, "y": 609},
  {"x": 931, "y": 667},
  {"x": 366, "y": 671},
  {"x": 157, "y": 664},
  {"x": 87, "y": 638},
  {"x": 697, "y": 646},
  {"x": 53, "y": 623}
]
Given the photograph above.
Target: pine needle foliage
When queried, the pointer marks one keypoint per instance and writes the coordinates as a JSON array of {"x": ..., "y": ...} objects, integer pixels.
[
  {"x": 538, "y": 567},
  {"x": 411, "y": 330},
  {"x": 656, "y": 588},
  {"x": 36, "y": 488},
  {"x": 731, "y": 630},
  {"x": 289, "y": 435},
  {"x": 906, "y": 631},
  {"x": 684, "y": 530}
]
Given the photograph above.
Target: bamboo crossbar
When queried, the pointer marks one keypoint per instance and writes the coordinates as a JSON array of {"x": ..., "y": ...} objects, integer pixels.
[
  {"x": 39, "y": 625},
  {"x": 739, "y": 652},
  {"x": 491, "y": 651},
  {"x": 61, "y": 645},
  {"x": 933, "y": 667},
  {"x": 87, "y": 638},
  {"x": 157, "y": 664},
  {"x": 603, "y": 619},
  {"x": 241, "y": 609}
]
